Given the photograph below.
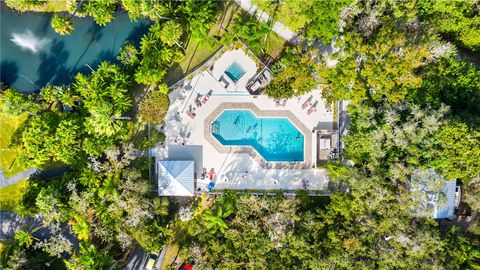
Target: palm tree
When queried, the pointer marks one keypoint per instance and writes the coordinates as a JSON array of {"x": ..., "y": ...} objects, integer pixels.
[
  {"x": 171, "y": 33},
  {"x": 81, "y": 227},
  {"x": 24, "y": 238},
  {"x": 251, "y": 31},
  {"x": 63, "y": 25}
]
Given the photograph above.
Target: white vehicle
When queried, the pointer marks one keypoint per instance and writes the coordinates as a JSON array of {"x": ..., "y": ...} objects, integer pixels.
[
  {"x": 151, "y": 260},
  {"x": 458, "y": 196}
]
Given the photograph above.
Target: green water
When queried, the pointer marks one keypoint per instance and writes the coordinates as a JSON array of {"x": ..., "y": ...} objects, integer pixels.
[{"x": 38, "y": 56}]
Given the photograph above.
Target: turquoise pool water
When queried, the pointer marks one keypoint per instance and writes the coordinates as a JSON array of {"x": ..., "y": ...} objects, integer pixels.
[
  {"x": 276, "y": 139},
  {"x": 33, "y": 55},
  {"x": 234, "y": 72}
]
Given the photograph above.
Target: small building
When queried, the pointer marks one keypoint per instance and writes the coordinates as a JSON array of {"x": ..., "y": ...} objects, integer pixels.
[
  {"x": 175, "y": 178},
  {"x": 435, "y": 196}
]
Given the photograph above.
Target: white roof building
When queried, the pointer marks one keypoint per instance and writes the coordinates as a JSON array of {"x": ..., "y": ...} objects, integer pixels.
[
  {"x": 435, "y": 196},
  {"x": 175, "y": 178}
]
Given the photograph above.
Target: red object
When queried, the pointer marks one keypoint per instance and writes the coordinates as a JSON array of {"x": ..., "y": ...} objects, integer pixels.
[
  {"x": 306, "y": 104},
  {"x": 185, "y": 266},
  {"x": 205, "y": 99},
  {"x": 312, "y": 109},
  {"x": 191, "y": 114},
  {"x": 211, "y": 173}
]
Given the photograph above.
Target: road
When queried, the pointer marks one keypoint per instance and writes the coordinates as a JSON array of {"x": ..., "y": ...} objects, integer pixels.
[{"x": 138, "y": 259}]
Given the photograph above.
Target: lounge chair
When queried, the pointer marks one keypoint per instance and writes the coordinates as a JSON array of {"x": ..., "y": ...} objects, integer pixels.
[
  {"x": 307, "y": 103},
  {"x": 205, "y": 99},
  {"x": 198, "y": 102},
  {"x": 211, "y": 174},
  {"x": 191, "y": 114},
  {"x": 207, "y": 96},
  {"x": 313, "y": 108}
]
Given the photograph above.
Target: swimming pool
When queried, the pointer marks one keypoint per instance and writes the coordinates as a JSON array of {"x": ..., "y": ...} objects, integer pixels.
[
  {"x": 276, "y": 139},
  {"x": 234, "y": 72}
]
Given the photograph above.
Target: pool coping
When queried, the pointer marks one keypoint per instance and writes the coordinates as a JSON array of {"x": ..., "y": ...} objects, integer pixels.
[{"x": 307, "y": 134}]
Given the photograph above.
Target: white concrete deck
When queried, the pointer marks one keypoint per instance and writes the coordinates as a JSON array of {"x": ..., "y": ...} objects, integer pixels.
[{"x": 231, "y": 168}]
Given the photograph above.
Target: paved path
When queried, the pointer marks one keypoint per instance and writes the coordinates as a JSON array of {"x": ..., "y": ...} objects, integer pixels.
[
  {"x": 7, "y": 181},
  {"x": 10, "y": 222},
  {"x": 137, "y": 259},
  {"x": 278, "y": 27}
]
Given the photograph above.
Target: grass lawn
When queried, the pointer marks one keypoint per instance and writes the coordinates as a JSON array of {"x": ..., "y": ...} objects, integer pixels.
[
  {"x": 196, "y": 53},
  {"x": 287, "y": 12},
  {"x": 53, "y": 6},
  {"x": 8, "y": 125},
  {"x": 171, "y": 256},
  {"x": 10, "y": 196}
]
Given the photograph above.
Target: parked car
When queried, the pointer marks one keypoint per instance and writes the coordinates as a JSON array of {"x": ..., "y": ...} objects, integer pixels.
[
  {"x": 151, "y": 260},
  {"x": 458, "y": 196}
]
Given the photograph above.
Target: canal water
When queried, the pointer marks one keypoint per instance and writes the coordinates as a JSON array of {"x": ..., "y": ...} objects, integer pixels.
[{"x": 33, "y": 55}]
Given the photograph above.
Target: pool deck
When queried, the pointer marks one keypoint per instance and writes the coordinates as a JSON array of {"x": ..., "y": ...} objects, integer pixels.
[{"x": 241, "y": 168}]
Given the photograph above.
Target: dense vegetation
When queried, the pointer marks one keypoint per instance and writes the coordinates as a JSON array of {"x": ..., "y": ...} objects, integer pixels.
[
  {"x": 88, "y": 131},
  {"x": 406, "y": 68}
]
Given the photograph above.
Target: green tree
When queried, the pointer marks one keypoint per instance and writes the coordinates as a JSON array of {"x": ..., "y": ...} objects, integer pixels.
[
  {"x": 323, "y": 19},
  {"x": 128, "y": 55},
  {"x": 90, "y": 258},
  {"x": 24, "y": 238},
  {"x": 472, "y": 192},
  {"x": 102, "y": 11},
  {"x": 155, "y": 105},
  {"x": 153, "y": 10},
  {"x": 458, "y": 20},
  {"x": 199, "y": 17},
  {"x": 253, "y": 32},
  {"x": 453, "y": 82},
  {"x": 63, "y": 25},
  {"x": 105, "y": 95},
  {"x": 24, "y": 5},
  {"x": 458, "y": 154},
  {"x": 15, "y": 103},
  {"x": 171, "y": 33},
  {"x": 155, "y": 57},
  {"x": 293, "y": 75},
  {"x": 61, "y": 140}
]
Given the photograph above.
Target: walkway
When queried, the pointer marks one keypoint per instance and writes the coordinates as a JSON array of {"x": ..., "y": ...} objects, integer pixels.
[
  {"x": 7, "y": 181},
  {"x": 278, "y": 27}
]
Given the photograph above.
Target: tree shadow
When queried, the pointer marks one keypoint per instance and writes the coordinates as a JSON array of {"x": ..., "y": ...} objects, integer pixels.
[
  {"x": 52, "y": 69},
  {"x": 138, "y": 32},
  {"x": 8, "y": 72},
  {"x": 95, "y": 35}
]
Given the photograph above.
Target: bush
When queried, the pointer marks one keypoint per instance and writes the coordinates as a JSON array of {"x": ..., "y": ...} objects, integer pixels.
[
  {"x": 155, "y": 105},
  {"x": 63, "y": 25}
]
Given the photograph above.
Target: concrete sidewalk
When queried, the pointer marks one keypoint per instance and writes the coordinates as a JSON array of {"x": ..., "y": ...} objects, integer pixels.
[
  {"x": 7, "y": 181},
  {"x": 278, "y": 27}
]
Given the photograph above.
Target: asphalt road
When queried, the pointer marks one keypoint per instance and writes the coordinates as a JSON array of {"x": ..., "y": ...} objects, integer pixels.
[{"x": 138, "y": 259}]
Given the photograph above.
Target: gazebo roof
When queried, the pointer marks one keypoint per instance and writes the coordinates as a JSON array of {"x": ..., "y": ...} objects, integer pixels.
[{"x": 175, "y": 178}]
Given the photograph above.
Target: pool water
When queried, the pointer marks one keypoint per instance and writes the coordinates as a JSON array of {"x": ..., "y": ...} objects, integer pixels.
[
  {"x": 234, "y": 72},
  {"x": 276, "y": 139}
]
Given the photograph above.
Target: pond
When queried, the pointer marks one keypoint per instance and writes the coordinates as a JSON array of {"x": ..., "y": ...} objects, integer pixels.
[{"x": 33, "y": 55}]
